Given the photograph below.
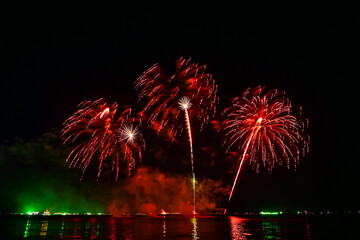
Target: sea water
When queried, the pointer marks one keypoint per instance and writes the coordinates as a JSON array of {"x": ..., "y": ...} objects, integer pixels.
[{"x": 179, "y": 227}]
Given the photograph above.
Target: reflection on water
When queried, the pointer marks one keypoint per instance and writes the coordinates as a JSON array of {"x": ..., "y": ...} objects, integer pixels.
[
  {"x": 27, "y": 228},
  {"x": 163, "y": 227},
  {"x": 271, "y": 229},
  {"x": 62, "y": 229},
  {"x": 113, "y": 228},
  {"x": 238, "y": 228},
  {"x": 44, "y": 227},
  {"x": 195, "y": 228},
  {"x": 308, "y": 235}
]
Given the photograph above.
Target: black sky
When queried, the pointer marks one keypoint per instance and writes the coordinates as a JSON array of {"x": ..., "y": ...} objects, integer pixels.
[{"x": 51, "y": 62}]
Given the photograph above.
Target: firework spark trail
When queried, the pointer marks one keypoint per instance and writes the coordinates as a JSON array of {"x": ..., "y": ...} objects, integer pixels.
[
  {"x": 185, "y": 104},
  {"x": 192, "y": 159},
  {"x": 264, "y": 128},
  {"x": 104, "y": 133},
  {"x": 253, "y": 133}
]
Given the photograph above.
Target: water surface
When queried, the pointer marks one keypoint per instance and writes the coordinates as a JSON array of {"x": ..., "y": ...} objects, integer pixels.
[{"x": 178, "y": 227}]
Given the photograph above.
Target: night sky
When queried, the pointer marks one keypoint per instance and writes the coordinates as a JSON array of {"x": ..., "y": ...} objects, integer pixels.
[{"x": 51, "y": 62}]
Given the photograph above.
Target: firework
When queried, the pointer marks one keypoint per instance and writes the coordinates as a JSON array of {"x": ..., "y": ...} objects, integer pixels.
[
  {"x": 163, "y": 94},
  {"x": 185, "y": 104},
  {"x": 111, "y": 136},
  {"x": 264, "y": 128},
  {"x": 190, "y": 89}
]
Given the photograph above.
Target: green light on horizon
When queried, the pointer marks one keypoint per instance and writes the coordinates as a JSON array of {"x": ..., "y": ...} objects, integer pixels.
[
  {"x": 269, "y": 213},
  {"x": 46, "y": 213},
  {"x": 32, "y": 213}
]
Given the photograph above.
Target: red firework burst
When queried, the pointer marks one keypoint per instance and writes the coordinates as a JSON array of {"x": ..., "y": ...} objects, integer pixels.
[
  {"x": 109, "y": 136},
  {"x": 262, "y": 127},
  {"x": 163, "y": 94}
]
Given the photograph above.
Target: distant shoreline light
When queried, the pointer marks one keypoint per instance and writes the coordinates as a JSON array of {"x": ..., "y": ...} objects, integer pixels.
[
  {"x": 163, "y": 213},
  {"x": 47, "y": 213}
]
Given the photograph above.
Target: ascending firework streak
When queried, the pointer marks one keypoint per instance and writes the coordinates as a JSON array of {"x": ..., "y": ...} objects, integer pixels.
[
  {"x": 166, "y": 97},
  {"x": 185, "y": 104},
  {"x": 263, "y": 127},
  {"x": 254, "y": 132}
]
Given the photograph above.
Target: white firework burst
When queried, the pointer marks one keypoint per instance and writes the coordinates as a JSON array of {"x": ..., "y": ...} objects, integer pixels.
[
  {"x": 185, "y": 103},
  {"x": 128, "y": 133}
]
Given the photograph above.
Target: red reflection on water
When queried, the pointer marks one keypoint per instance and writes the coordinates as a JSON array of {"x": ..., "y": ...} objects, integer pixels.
[
  {"x": 76, "y": 233},
  {"x": 94, "y": 230},
  {"x": 308, "y": 235},
  {"x": 164, "y": 228},
  {"x": 113, "y": 228},
  {"x": 237, "y": 228},
  {"x": 76, "y": 219}
]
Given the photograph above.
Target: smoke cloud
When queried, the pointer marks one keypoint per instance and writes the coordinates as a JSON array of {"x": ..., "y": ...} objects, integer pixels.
[{"x": 151, "y": 191}]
